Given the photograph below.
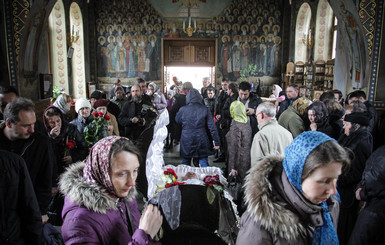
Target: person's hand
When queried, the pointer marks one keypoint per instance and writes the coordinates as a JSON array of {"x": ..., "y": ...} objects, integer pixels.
[
  {"x": 151, "y": 220},
  {"x": 55, "y": 132},
  {"x": 250, "y": 111},
  {"x": 234, "y": 172},
  {"x": 67, "y": 160},
  {"x": 216, "y": 147},
  {"x": 144, "y": 121},
  {"x": 135, "y": 120},
  {"x": 358, "y": 193},
  {"x": 44, "y": 219},
  {"x": 218, "y": 117},
  {"x": 313, "y": 126},
  {"x": 53, "y": 191}
]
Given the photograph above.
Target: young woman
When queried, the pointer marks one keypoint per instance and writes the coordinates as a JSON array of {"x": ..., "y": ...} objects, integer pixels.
[
  {"x": 292, "y": 200},
  {"x": 100, "y": 205},
  {"x": 318, "y": 116}
]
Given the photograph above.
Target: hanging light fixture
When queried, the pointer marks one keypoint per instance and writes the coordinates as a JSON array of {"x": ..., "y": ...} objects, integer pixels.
[{"x": 190, "y": 30}]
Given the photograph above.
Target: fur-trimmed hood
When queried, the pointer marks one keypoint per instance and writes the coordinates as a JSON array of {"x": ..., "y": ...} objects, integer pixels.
[
  {"x": 274, "y": 203},
  {"x": 93, "y": 197}
]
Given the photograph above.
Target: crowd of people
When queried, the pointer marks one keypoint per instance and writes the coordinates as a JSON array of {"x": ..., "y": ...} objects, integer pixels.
[{"x": 308, "y": 167}]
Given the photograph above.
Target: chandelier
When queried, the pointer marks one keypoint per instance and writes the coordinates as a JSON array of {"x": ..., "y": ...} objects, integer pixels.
[
  {"x": 73, "y": 37},
  {"x": 190, "y": 30}
]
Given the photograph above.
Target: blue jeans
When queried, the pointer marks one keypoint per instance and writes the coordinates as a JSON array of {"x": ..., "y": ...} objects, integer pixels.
[{"x": 203, "y": 162}]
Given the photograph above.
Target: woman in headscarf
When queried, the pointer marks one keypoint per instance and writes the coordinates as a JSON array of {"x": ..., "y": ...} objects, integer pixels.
[
  {"x": 63, "y": 102},
  {"x": 359, "y": 140},
  {"x": 318, "y": 116},
  {"x": 100, "y": 205},
  {"x": 157, "y": 98},
  {"x": 83, "y": 109},
  {"x": 68, "y": 144},
  {"x": 101, "y": 107},
  {"x": 292, "y": 200},
  {"x": 239, "y": 138}
]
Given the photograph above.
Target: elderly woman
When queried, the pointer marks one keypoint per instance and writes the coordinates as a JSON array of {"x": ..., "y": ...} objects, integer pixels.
[
  {"x": 291, "y": 200},
  {"x": 157, "y": 98},
  {"x": 83, "y": 109},
  {"x": 100, "y": 205},
  {"x": 359, "y": 140},
  {"x": 101, "y": 107},
  {"x": 239, "y": 138}
]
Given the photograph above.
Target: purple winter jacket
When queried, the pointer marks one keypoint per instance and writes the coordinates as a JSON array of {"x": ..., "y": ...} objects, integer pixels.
[{"x": 91, "y": 216}]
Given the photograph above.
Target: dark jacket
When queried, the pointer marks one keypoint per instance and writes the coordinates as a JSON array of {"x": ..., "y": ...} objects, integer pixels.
[
  {"x": 92, "y": 216},
  {"x": 197, "y": 123},
  {"x": 373, "y": 123},
  {"x": 284, "y": 105},
  {"x": 180, "y": 100},
  {"x": 141, "y": 109},
  {"x": 81, "y": 122},
  {"x": 204, "y": 90},
  {"x": 220, "y": 102},
  {"x": 226, "y": 116},
  {"x": 276, "y": 212},
  {"x": 20, "y": 219},
  {"x": 210, "y": 103},
  {"x": 371, "y": 220},
  {"x": 68, "y": 132},
  {"x": 38, "y": 155},
  {"x": 253, "y": 102}
]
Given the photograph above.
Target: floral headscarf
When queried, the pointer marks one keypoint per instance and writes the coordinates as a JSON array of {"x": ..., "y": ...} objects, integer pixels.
[
  {"x": 295, "y": 158},
  {"x": 237, "y": 111},
  {"x": 98, "y": 163}
]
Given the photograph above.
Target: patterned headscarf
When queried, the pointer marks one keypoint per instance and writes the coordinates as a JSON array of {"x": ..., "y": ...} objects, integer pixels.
[
  {"x": 98, "y": 163},
  {"x": 295, "y": 158},
  {"x": 301, "y": 104},
  {"x": 237, "y": 111}
]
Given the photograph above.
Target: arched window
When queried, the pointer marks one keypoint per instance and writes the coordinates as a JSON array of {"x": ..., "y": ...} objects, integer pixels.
[
  {"x": 323, "y": 32},
  {"x": 58, "y": 46},
  {"x": 78, "y": 65},
  {"x": 302, "y": 29}
]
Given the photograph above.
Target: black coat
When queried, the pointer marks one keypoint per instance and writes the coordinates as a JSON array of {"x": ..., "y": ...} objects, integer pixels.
[
  {"x": 20, "y": 219},
  {"x": 220, "y": 102},
  {"x": 369, "y": 228},
  {"x": 133, "y": 109},
  {"x": 210, "y": 103},
  {"x": 38, "y": 155},
  {"x": 176, "y": 129}
]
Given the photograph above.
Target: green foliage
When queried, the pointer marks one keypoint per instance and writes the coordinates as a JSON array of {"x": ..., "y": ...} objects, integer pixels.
[
  {"x": 249, "y": 71},
  {"x": 97, "y": 129},
  {"x": 56, "y": 92}
]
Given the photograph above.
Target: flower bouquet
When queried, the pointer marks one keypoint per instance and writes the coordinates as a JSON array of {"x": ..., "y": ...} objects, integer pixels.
[
  {"x": 212, "y": 181},
  {"x": 69, "y": 145},
  {"x": 97, "y": 129},
  {"x": 168, "y": 179}
]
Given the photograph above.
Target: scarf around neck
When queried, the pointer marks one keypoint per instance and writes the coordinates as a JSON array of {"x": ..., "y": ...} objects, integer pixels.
[{"x": 293, "y": 163}]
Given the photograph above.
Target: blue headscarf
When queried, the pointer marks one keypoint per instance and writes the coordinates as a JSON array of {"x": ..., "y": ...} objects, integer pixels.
[{"x": 295, "y": 158}]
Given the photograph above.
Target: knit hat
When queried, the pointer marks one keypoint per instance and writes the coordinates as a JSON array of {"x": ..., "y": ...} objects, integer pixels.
[
  {"x": 99, "y": 103},
  {"x": 362, "y": 118},
  {"x": 81, "y": 103},
  {"x": 97, "y": 94}
]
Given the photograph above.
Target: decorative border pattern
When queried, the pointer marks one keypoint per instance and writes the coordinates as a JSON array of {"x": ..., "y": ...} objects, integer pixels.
[
  {"x": 20, "y": 15},
  {"x": 9, "y": 43},
  {"x": 376, "y": 54}
]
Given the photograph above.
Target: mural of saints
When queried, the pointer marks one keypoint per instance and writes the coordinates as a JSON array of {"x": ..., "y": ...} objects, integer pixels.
[{"x": 236, "y": 54}]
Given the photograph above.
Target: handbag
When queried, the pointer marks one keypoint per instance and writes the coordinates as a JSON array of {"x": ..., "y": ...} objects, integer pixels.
[
  {"x": 55, "y": 208},
  {"x": 235, "y": 187}
]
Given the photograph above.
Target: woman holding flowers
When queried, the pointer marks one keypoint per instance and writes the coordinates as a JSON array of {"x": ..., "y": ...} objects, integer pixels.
[
  {"x": 112, "y": 126},
  {"x": 100, "y": 205},
  {"x": 67, "y": 142},
  {"x": 293, "y": 200}
]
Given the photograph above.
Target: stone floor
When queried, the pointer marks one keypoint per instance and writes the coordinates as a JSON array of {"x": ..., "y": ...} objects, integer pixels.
[{"x": 172, "y": 157}]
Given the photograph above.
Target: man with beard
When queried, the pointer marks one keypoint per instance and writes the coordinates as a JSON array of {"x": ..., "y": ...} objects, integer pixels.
[{"x": 136, "y": 114}]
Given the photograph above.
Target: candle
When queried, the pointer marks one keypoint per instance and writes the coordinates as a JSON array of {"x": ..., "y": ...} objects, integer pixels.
[
  {"x": 195, "y": 23},
  {"x": 189, "y": 21},
  {"x": 183, "y": 25}
]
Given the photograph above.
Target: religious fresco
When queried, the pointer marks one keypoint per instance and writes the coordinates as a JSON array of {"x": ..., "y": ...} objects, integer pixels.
[
  {"x": 129, "y": 39},
  {"x": 249, "y": 33}
]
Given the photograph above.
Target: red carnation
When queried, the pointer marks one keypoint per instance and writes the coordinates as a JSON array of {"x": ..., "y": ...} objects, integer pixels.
[
  {"x": 101, "y": 114},
  {"x": 96, "y": 114},
  {"x": 170, "y": 171},
  {"x": 72, "y": 102},
  {"x": 211, "y": 180},
  {"x": 107, "y": 117},
  {"x": 71, "y": 144},
  {"x": 174, "y": 184}
]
